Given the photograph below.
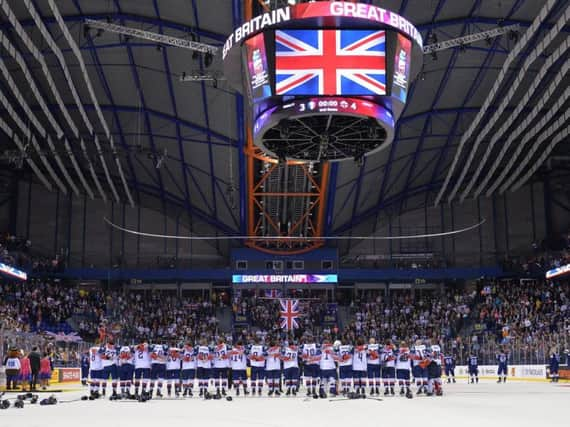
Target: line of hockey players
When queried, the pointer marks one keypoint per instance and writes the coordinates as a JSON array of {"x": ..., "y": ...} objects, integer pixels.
[{"x": 333, "y": 368}]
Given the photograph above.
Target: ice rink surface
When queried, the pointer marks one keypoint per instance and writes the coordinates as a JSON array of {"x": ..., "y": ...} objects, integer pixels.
[{"x": 485, "y": 404}]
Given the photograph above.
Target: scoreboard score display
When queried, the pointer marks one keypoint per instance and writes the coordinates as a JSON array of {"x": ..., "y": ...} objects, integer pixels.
[{"x": 313, "y": 70}]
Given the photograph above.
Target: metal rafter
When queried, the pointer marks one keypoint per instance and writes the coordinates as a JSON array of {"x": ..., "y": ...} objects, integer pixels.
[
  {"x": 175, "y": 112},
  {"x": 71, "y": 41},
  {"x": 207, "y": 121},
  {"x": 438, "y": 94},
  {"x": 472, "y": 90},
  {"x": 531, "y": 33},
  {"x": 148, "y": 35}
]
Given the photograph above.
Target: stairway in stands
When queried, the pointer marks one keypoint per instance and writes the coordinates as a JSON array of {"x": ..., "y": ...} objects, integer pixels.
[
  {"x": 225, "y": 319},
  {"x": 344, "y": 317}
]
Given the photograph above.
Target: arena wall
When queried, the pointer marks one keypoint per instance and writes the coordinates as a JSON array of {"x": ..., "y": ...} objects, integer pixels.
[
  {"x": 75, "y": 229},
  {"x": 512, "y": 222}
]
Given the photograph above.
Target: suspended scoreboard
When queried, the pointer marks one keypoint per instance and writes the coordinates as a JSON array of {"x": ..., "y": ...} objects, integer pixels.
[{"x": 325, "y": 80}]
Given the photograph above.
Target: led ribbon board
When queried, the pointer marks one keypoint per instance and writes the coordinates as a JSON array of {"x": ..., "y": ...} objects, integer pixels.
[
  {"x": 284, "y": 278},
  {"x": 13, "y": 272},
  {"x": 557, "y": 272}
]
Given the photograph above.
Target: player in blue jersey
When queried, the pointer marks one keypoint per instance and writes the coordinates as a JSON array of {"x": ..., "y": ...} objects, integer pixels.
[
  {"x": 449, "y": 362},
  {"x": 554, "y": 363},
  {"x": 473, "y": 368},
  {"x": 502, "y": 368},
  {"x": 84, "y": 367}
]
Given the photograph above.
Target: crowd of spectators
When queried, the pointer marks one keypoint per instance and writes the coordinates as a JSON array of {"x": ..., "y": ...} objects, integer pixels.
[
  {"x": 17, "y": 252},
  {"x": 262, "y": 315},
  {"x": 431, "y": 317},
  {"x": 529, "y": 317}
]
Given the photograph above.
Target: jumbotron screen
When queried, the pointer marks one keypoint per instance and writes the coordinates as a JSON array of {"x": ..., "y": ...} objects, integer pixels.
[
  {"x": 330, "y": 62},
  {"x": 258, "y": 71}
]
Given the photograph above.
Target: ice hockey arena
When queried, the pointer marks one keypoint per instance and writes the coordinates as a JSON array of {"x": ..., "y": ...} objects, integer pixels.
[{"x": 284, "y": 212}]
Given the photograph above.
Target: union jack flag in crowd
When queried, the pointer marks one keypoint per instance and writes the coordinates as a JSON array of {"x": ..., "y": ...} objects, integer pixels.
[
  {"x": 330, "y": 62},
  {"x": 289, "y": 313}
]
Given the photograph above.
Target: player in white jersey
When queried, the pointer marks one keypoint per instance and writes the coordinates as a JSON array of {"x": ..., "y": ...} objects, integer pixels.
[
  {"x": 173, "y": 364},
  {"x": 204, "y": 366},
  {"x": 273, "y": 368},
  {"x": 142, "y": 367},
  {"x": 311, "y": 359},
  {"x": 290, "y": 358},
  {"x": 221, "y": 366},
  {"x": 419, "y": 373},
  {"x": 238, "y": 363},
  {"x": 109, "y": 357},
  {"x": 188, "y": 368},
  {"x": 345, "y": 366},
  {"x": 256, "y": 354},
  {"x": 359, "y": 366},
  {"x": 373, "y": 366},
  {"x": 327, "y": 368},
  {"x": 403, "y": 367},
  {"x": 434, "y": 371},
  {"x": 126, "y": 370},
  {"x": 388, "y": 368},
  {"x": 158, "y": 367},
  {"x": 95, "y": 369}
]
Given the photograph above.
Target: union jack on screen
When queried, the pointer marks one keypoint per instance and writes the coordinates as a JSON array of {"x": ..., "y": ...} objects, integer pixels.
[{"x": 330, "y": 62}]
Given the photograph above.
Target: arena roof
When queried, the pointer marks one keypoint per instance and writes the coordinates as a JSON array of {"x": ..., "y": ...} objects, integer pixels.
[{"x": 176, "y": 146}]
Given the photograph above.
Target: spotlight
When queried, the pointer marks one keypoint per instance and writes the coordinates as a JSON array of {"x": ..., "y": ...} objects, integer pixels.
[
  {"x": 488, "y": 41},
  {"x": 434, "y": 56},
  {"x": 462, "y": 48},
  {"x": 422, "y": 76},
  {"x": 514, "y": 35},
  {"x": 86, "y": 29},
  {"x": 100, "y": 32},
  {"x": 208, "y": 59},
  {"x": 195, "y": 55},
  {"x": 159, "y": 47}
]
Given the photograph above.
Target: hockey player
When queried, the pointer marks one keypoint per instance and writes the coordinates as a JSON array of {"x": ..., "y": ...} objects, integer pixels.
[
  {"x": 359, "y": 366},
  {"x": 311, "y": 360},
  {"x": 449, "y": 362},
  {"x": 403, "y": 368},
  {"x": 109, "y": 357},
  {"x": 388, "y": 368},
  {"x": 158, "y": 367},
  {"x": 273, "y": 368},
  {"x": 256, "y": 354},
  {"x": 327, "y": 367},
  {"x": 502, "y": 368},
  {"x": 142, "y": 367},
  {"x": 188, "y": 368},
  {"x": 84, "y": 367},
  {"x": 126, "y": 370},
  {"x": 473, "y": 368},
  {"x": 345, "y": 366},
  {"x": 173, "y": 365},
  {"x": 435, "y": 359},
  {"x": 221, "y": 366},
  {"x": 373, "y": 366},
  {"x": 290, "y": 358},
  {"x": 238, "y": 364},
  {"x": 204, "y": 366},
  {"x": 95, "y": 369},
  {"x": 418, "y": 371},
  {"x": 554, "y": 364}
]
